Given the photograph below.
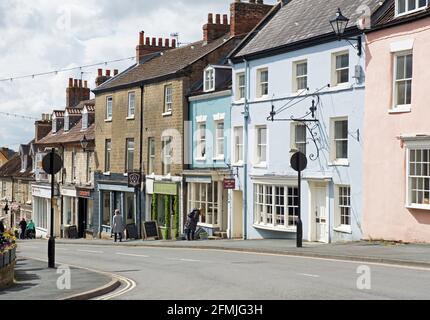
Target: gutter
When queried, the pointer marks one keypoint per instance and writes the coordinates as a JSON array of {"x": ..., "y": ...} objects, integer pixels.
[
  {"x": 139, "y": 200},
  {"x": 245, "y": 147}
]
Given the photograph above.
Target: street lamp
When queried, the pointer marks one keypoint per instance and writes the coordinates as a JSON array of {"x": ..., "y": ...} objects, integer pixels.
[
  {"x": 84, "y": 143},
  {"x": 6, "y": 208},
  {"x": 339, "y": 25}
]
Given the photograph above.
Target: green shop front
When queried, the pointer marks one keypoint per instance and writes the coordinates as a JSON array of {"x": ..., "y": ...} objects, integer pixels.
[{"x": 163, "y": 205}]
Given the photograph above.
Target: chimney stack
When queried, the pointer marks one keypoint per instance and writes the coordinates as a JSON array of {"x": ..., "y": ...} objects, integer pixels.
[
  {"x": 151, "y": 45},
  {"x": 42, "y": 127},
  {"x": 75, "y": 93},
  {"x": 101, "y": 78},
  {"x": 213, "y": 31},
  {"x": 245, "y": 16}
]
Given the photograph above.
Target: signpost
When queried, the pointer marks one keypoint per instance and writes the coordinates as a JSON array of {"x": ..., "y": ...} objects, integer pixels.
[
  {"x": 52, "y": 164},
  {"x": 299, "y": 163}
]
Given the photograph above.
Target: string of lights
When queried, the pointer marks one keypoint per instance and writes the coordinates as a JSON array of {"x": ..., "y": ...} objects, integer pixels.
[
  {"x": 9, "y": 114},
  {"x": 55, "y": 72}
]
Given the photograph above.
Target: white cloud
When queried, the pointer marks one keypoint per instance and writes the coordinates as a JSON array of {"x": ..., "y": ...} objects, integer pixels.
[{"x": 42, "y": 35}]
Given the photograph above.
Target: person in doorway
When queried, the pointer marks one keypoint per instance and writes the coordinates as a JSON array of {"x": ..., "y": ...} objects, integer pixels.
[
  {"x": 23, "y": 227},
  {"x": 1, "y": 226},
  {"x": 118, "y": 226},
  {"x": 190, "y": 227}
]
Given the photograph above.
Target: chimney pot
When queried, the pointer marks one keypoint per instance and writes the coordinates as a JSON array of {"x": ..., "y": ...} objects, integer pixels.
[
  {"x": 100, "y": 72},
  {"x": 148, "y": 41},
  {"x": 225, "y": 19},
  {"x": 160, "y": 42},
  {"x": 167, "y": 43},
  {"x": 80, "y": 83},
  {"x": 85, "y": 83},
  {"x": 107, "y": 73},
  {"x": 210, "y": 18},
  {"x": 251, "y": 1},
  {"x": 115, "y": 72},
  {"x": 141, "y": 37},
  {"x": 75, "y": 84},
  {"x": 218, "y": 19},
  {"x": 154, "y": 42},
  {"x": 173, "y": 43},
  {"x": 70, "y": 82}
]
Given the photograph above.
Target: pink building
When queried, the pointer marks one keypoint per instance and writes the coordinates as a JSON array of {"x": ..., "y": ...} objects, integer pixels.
[{"x": 397, "y": 124}]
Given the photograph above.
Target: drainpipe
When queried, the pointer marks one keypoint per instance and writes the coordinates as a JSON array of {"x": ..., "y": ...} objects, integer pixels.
[
  {"x": 245, "y": 147},
  {"x": 140, "y": 192}
]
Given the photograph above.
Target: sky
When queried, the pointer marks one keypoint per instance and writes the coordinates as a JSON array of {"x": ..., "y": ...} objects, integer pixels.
[{"x": 43, "y": 35}]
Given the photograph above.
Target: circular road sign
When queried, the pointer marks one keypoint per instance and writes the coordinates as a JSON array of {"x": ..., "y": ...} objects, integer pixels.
[
  {"x": 299, "y": 161},
  {"x": 46, "y": 163}
]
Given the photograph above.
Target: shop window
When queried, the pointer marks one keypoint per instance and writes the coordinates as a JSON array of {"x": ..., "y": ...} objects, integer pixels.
[{"x": 106, "y": 208}]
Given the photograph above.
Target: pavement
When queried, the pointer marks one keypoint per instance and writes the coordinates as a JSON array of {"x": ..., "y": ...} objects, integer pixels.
[
  {"x": 158, "y": 272},
  {"x": 365, "y": 251},
  {"x": 35, "y": 281}
]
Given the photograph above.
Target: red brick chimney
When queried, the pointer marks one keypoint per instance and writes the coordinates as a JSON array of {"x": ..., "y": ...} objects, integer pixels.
[
  {"x": 42, "y": 127},
  {"x": 244, "y": 16},
  {"x": 76, "y": 93},
  {"x": 103, "y": 78},
  {"x": 212, "y": 31},
  {"x": 150, "y": 46}
]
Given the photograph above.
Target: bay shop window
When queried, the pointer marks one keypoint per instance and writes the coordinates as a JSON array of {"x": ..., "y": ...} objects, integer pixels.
[
  {"x": 275, "y": 206},
  {"x": 207, "y": 196}
]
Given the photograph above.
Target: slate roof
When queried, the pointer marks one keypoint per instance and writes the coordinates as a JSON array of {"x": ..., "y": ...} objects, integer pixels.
[
  {"x": 74, "y": 135},
  {"x": 8, "y": 153},
  {"x": 168, "y": 63},
  {"x": 300, "y": 20},
  {"x": 12, "y": 168}
]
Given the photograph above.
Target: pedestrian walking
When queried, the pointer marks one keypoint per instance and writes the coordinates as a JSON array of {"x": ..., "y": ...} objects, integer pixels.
[
  {"x": 118, "y": 226},
  {"x": 30, "y": 232},
  {"x": 23, "y": 227},
  {"x": 191, "y": 223}
]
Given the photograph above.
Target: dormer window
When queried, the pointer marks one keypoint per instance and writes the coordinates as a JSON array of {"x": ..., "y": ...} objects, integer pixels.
[
  {"x": 66, "y": 121},
  {"x": 408, "y": 6},
  {"x": 54, "y": 124},
  {"x": 209, "y": 83},
  {"x": 85, "y": 119}
]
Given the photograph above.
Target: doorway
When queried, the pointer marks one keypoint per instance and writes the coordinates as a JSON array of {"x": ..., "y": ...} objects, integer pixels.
[
  {"x": 82, "y": 216},
  {"x": 320, "y": 213},
  {"x": 237, "y": 214}
]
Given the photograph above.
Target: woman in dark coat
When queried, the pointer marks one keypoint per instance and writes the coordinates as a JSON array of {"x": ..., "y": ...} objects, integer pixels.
[{"x": 191, "y": 224}]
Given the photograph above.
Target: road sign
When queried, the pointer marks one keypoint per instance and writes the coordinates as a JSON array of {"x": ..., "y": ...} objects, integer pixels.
[
  {"x": 299, "y": 161},
  {"x": 57, "y": 163},
  {"x": 134, "y": 179}
]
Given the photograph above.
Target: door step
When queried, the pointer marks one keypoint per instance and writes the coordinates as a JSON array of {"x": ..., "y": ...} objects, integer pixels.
[{"x": 220, "y": 234}]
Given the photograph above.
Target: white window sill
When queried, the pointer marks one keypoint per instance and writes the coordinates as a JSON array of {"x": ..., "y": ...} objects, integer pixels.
[
  {"x": 106, "y": 173},
  {"x": 262, "y": 98},
  {"x": 298, "y": 93},
  {"x": 238, "y": 164},
  {"x": 239, "y": 101},
  {"x": 125, "y": 174},
  {"x": 201, "y": 159},
  {"x": 340, "y": 86},
  {"x": 219, "y": 158},
  {"x": 108, "y": 120},
  {"x": 272, "y": 227},
  {"x": 166, "y": 114},
  {"x": 209, "y": 90},
  {"x": 400, "y": 109},
  {"x": 262, "y": 165},
  {"x": 130, "y": 118},
  {"x": 418, "y": 206},
  {"x": 339, "y": 162},
  {"x": 343, "y": 229}
]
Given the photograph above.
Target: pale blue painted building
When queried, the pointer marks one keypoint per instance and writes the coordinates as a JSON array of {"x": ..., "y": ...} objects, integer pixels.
[
  {"x": 292, "y": 60},
  {"x": 209, "y": 150}
]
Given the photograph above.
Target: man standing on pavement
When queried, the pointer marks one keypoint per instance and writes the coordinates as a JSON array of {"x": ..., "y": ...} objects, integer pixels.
[
  {"x": 23, "y": 227},
  {"x": 118, "y": 225}
]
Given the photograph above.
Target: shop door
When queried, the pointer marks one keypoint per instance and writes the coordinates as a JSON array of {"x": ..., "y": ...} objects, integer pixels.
[
  {"x": 237, "y": 214},
  {"x": 82, "y": 217},
  {"x": 320, "y": 212}
]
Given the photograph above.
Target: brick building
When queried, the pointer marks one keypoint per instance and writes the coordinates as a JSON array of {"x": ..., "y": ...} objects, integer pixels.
[{"x": 160, "y": 82}]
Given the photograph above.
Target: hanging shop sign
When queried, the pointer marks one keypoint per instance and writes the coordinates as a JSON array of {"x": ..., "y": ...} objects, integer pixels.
[{"x": 229, "y": 184}]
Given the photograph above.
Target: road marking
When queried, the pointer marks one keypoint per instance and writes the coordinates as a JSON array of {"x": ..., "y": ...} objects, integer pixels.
[
  {"x": 189, "y": 260},
  {"x": 132, "y": 255},
  {"x": 309, "y": 275},
  {"x": 26, "y": 246},
  {"x": 90, "y": 251}
]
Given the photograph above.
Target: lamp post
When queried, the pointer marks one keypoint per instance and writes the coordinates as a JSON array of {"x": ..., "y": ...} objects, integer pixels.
[
  {"x": 339, "y": 25},
  {"x": 84, "y": 143},
  {"x": 6, "y": 210}
]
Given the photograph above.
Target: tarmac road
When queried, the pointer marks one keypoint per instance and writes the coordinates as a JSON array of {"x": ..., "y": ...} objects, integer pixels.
[{"x": 172, "y": 274}]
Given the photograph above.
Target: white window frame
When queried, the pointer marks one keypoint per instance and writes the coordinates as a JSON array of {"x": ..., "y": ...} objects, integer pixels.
[
  {"x": 336, "y": 70},
  {"x": 129, "y": 150},
  {"x": 108, "y": 155},
  {"x": 333, "y": 156},
  {"x": 259, "y": 162},
  {"x": 401, "y": 107},
  {"x": 168, "y": 99},
  {"x": 201, "y": 147},
  {"x": 293, "y": 140},
  {"x": 151, "y": 155},
  {"x": 260, "y": 83},
  {"x": 54, "y": 124},
  {"x": 417, "y": 146},
  {"x": 240, "y": 88},
  {"x": 339, "y": 225},
  {"x": 266, "y": 204},
  {"x": 219, "y": 139},
  {"x": 297, "y": 77},
  {"x": 131, "y": 109},
  {"x": 109, "y": 108},
  {"x": 167, "y": 143},
  {"x": 209, "y": 79},
  {"x": 407, "y": 11},
  {"x": 66, "y": 121},
  {"x": 84, "y": 119},
  {"x": 238, "y": 145},
  {"x": 209, "y": 197}
]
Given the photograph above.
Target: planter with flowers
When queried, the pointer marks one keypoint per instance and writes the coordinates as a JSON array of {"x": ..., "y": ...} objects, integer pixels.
[{"x": 7, "y": 258}]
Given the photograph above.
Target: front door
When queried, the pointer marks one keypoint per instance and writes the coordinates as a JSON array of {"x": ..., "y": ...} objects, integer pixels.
[
  {"x": 82, "y": 217},
  {"x": 320, "y": 214}
]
